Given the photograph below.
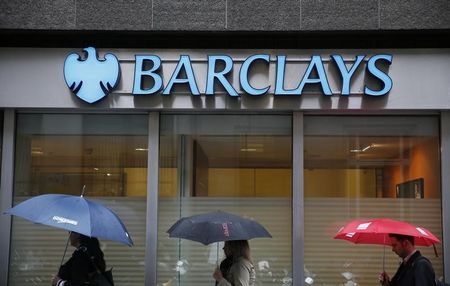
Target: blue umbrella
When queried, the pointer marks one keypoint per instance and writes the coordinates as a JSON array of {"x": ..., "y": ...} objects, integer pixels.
[
  {"x": 217, "y": 226},
  {"x": 74, "y": 213}
]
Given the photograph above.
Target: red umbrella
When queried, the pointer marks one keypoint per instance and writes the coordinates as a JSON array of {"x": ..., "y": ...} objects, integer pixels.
[{"x": 377, "y": 230}]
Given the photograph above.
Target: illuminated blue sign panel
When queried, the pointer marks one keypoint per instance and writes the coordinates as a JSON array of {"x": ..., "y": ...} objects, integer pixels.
[{"x": 92, "y": 79}]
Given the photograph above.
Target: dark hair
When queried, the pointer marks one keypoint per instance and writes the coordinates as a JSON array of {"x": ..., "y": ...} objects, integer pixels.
[
  {"x": 402, "y": 237},
  {"x": 93, "y": 248},
  {"x": 239, "y": 248}
]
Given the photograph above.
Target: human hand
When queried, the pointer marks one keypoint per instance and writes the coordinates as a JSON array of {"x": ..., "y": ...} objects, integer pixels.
[
  {"x": 384, "y": 279},
  {"x": 217, "y": 274},
  {"x": 55, "y": 280}
]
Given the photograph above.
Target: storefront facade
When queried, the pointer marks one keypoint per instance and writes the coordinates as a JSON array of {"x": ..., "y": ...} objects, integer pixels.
[{"x": 301, "y": 140}]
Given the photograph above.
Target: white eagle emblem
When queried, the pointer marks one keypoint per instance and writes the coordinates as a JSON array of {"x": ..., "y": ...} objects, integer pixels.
[{"x": 91, "y": 79}]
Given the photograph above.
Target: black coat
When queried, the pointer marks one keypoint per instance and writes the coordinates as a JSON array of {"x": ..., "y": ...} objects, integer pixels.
[
  {"x": 417, "y": 271},
  {"x": 225, "y": 266},
  {"x": 78, "y": 269}
]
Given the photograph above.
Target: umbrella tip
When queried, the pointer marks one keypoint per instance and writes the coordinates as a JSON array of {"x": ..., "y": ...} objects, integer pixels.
[
  {"x": 82, "y": 191},
  {"x": 435, "y": 250}
]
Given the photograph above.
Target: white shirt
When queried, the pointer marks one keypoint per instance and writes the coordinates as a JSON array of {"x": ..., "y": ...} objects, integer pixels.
[{"x": 409, "y": 256}]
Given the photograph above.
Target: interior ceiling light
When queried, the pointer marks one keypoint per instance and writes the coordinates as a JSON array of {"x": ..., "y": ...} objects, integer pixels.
[
  {"x": 36, "y": 151},
  {"x": 141, "y": 149},
  {"x": 363, "y": 149},
  {"x": 249, "y": 150},
  {"x": 252, "y": 147}
]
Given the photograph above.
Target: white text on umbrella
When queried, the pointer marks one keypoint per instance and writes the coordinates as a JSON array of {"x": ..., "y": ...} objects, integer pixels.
[{"x": 59, "y": 219}]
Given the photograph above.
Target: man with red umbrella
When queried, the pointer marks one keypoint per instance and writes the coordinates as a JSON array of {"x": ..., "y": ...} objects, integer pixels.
[{"x": 415, "y": 269}]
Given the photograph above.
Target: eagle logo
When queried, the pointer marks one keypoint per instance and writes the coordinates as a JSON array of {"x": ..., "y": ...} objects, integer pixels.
[{"x": 91, "y": 78}]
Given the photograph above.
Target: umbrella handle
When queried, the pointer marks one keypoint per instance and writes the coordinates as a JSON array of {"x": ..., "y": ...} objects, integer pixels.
[
  {"x": 384, "y": 250},
  {"x": 65, "y": 250},
  {"x": 217, "y": 256}
]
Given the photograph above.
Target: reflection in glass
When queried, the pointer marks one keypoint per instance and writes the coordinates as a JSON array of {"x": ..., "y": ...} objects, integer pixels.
[
  {"x": 239, "y": 164},
  {"x": 58, "y": 153},
  {"x": 367, "y": 167}
]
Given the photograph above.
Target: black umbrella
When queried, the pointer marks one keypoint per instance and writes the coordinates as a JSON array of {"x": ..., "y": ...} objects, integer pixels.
[{"x": 217, "y": 226}]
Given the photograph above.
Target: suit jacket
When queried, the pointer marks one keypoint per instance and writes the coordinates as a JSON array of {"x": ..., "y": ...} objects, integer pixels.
[{"x": 417, "y": 271}]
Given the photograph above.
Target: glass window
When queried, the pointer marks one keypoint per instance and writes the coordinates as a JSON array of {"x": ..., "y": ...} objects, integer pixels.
[
  {"x": 60, "y": 153},
  {"x": 236, "y": 163},
  {"x": 367, "y": 167},
  {"x": 1, "y": 137}
]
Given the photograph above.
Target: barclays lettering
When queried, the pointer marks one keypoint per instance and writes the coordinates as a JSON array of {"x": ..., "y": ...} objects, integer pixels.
[
  {"x": 314, "y": 74},
  {"x": 92, "y": 79}
]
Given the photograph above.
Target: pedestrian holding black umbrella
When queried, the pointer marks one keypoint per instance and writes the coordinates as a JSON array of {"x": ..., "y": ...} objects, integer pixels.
[
  {"x": 225, "y": 264},
  {"x": 241, "y": 272},
  {"x": 216, "y": 226},
  {"x": 235, "y": 231}
]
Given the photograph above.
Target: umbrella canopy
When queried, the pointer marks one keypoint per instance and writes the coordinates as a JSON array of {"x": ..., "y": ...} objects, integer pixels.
[
  {"x": 217, "y": 226},
  {"x": 376, "y": 231},
  {"x": 73, "y": 213}
]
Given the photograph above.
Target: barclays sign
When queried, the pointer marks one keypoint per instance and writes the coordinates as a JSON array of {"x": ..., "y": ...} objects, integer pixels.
[{"x": 92, "y": 78}]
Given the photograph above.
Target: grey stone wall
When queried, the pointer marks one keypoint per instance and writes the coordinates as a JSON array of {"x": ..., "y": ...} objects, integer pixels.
[{"x": 224, "y": 15}]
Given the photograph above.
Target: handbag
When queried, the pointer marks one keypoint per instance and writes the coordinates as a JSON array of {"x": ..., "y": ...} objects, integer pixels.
[{"x": 102, "y": 278}]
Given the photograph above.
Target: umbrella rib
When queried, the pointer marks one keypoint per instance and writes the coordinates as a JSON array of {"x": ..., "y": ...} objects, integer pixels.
[{"x": 90, "y": 218}]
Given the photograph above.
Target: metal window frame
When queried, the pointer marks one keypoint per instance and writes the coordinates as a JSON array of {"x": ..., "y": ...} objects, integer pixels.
[
  {"x": 151, "y": 248},
  {"x": 445, "y": 191},
  {"x": 6, "y": 192},
  {"x": 298, "y": 214}
]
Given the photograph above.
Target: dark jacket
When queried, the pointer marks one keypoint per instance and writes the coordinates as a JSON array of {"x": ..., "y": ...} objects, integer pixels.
[
  {"x": 225, "y": 266},
  {"x": 78, "y": 269},
  {"x": 417, "y": 271}
]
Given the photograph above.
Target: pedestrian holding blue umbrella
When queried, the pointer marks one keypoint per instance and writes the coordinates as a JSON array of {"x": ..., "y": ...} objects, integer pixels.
[
  {"x": 86, "y": 260},
  {"x": 85, "y": 220},
  {"x": 74, "y": 213}
]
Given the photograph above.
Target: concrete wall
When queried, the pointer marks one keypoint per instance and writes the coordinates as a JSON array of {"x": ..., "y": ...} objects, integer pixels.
[{"x": 225, "y": 15}]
